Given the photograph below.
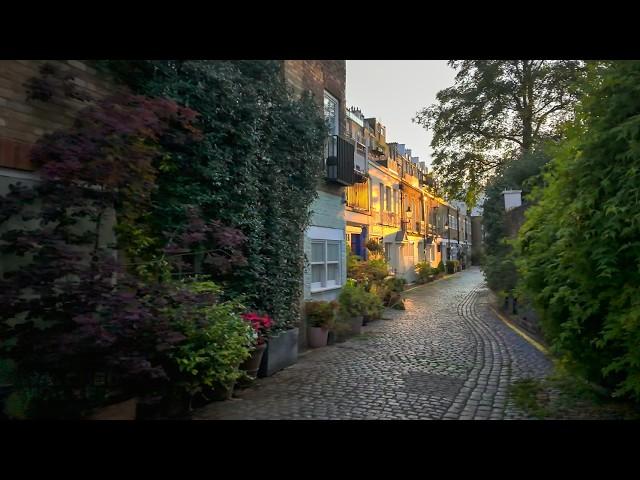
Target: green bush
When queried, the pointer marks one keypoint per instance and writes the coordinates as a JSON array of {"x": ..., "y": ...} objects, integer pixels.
[
  {"x": 352, "y": 300},
  {"x": 500, "y": 272},
  {"x": 215, "y": 346},
  {"x": 579, "y": 248},
  {"x": 425, "y": 271},
  {"x": 440, "y": 267},
  {"x": 395, "y": 284},
  {"x": 369, "y": 272},
  {"x": 452, "y": 266},
  {"x": 355, "y": 301},
  {"x": 321, "y": 313},
  {"x": 373, "y": 305}
]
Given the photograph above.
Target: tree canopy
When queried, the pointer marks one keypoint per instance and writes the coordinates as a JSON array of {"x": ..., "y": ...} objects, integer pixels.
[
  {"x": 579, "y": 247},
  {"x": 495, "y": 111}
]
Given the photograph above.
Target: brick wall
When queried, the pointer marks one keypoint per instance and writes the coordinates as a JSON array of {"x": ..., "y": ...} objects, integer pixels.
[
  {"x": 317, "y": 76},
  {"x": 23, "y": 121}
]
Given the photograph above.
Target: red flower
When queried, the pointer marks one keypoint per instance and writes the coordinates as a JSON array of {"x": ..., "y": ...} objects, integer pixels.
[{"x": 260, "y": 323}]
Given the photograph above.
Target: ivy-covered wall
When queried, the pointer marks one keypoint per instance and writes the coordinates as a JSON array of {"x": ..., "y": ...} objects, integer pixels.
[{"x": 256, "y": 167}]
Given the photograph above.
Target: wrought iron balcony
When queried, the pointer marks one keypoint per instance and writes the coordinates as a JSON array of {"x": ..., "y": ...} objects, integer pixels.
[{"x": 340, "y": 156}]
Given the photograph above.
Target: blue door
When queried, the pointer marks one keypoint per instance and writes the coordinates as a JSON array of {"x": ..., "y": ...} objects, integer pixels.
[{"x": 356, "y": 244}]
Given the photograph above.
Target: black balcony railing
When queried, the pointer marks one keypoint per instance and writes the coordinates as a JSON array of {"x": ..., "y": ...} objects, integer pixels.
[{"x": 340, "y": 154}]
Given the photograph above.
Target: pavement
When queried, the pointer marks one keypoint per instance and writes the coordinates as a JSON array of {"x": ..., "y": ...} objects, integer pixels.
[{"x": 446, "y": 357}]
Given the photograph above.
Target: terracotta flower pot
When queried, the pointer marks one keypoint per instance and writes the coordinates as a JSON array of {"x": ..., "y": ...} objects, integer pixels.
[
  {"x": 318, "y": 337},
  {"x": 252, "y": 364}
]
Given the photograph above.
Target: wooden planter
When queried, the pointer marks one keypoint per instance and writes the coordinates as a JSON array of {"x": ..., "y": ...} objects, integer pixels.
[
  {"x": 118, "y": 411},
  {"x": 281, "y": 352}
]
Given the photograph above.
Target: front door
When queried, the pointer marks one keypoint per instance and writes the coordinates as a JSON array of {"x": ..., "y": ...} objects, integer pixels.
[{"x": 356, "y": 244}]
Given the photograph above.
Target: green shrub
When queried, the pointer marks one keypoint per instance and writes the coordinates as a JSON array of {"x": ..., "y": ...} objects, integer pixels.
[
  {"x": 425, "y": 271},
  {"x": 355, "y": 301},
  {"x": 395, "y": 284},
  {"x": 215, "y": 346},
  {"x": 321, "y": 313},
  {"x": 440, "y": 267},
  {"x": 373, "y": 305},
  {"x": 579, "y": 249},
  {"x": 352, "y": 300},
  {"x": 452, "y": 266},
  {"x": 369, "y": 272},
  {"x": 500, "y": 272}
]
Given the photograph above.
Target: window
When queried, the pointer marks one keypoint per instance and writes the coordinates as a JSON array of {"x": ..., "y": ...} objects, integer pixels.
[
  {"x": 388, "y": 198},
  {"x": 381, "y": 198},
  {"x": 453, "y": 222},
  {"x": 396, "y": 203},
  {"x": 325, "y": 263},
  {"x": 331, "y": 113}
]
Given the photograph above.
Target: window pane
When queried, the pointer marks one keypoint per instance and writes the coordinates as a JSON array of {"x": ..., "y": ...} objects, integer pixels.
[
  {"x": 333, "y": 250},
  {"x": 333, "y": 272},
  {"x": 317, "y": 273},
  {"x": 331, "y": 113},
  {"x": 317, "y": 252}
]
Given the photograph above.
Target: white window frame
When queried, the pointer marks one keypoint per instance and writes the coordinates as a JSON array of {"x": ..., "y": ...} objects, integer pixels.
[
  {"x": 326, "y": 283},
  {"x": 331, "y": 98}
]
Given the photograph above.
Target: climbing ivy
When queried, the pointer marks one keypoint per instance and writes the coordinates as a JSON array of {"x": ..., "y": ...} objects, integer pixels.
[{"x": 256, "y": 167}]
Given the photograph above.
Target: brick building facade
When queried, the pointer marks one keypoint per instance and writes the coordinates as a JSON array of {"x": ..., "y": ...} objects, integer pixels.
[{"x": 23, "y": 121}]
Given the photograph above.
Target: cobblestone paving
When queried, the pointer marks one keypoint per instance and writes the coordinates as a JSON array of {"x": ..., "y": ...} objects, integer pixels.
[{"x": 445, "y": 357}]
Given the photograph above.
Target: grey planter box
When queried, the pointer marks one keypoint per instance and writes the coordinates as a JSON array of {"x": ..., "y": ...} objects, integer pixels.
[{"x": 281, "y": 352}]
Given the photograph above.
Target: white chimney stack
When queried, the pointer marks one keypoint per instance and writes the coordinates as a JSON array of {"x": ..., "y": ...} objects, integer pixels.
[{"x": 512, "y": 199}]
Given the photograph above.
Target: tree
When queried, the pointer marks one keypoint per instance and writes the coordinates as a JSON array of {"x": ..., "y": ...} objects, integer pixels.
[
  {"x": 579, "y": 248},
  {"x": 522, "y": 173},
  {"x": 496, "y": 110}
]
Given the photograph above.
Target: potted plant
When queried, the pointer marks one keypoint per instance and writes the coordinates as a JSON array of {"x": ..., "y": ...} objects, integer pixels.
[
  {"x": 321, "y": 317},
  {"x": 352, "y": 305},
  {"x": 261, "y": 325},
  {"x": 282, "y": 350}
]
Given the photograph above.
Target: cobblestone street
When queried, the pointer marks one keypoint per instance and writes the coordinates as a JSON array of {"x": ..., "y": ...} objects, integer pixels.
[{"x": 446, "y": 357}]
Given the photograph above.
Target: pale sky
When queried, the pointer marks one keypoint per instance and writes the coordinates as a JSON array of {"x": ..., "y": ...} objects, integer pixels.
[{"x": 393, "y": 91}]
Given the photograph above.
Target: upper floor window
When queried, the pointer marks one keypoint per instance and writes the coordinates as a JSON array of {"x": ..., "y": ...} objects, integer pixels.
[
  {"x": 388, "y": 205},
  {"x": 331, "y": 113}
]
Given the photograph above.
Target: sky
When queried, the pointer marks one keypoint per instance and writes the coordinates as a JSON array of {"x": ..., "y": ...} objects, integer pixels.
[{"x": 393, "y": 91}]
